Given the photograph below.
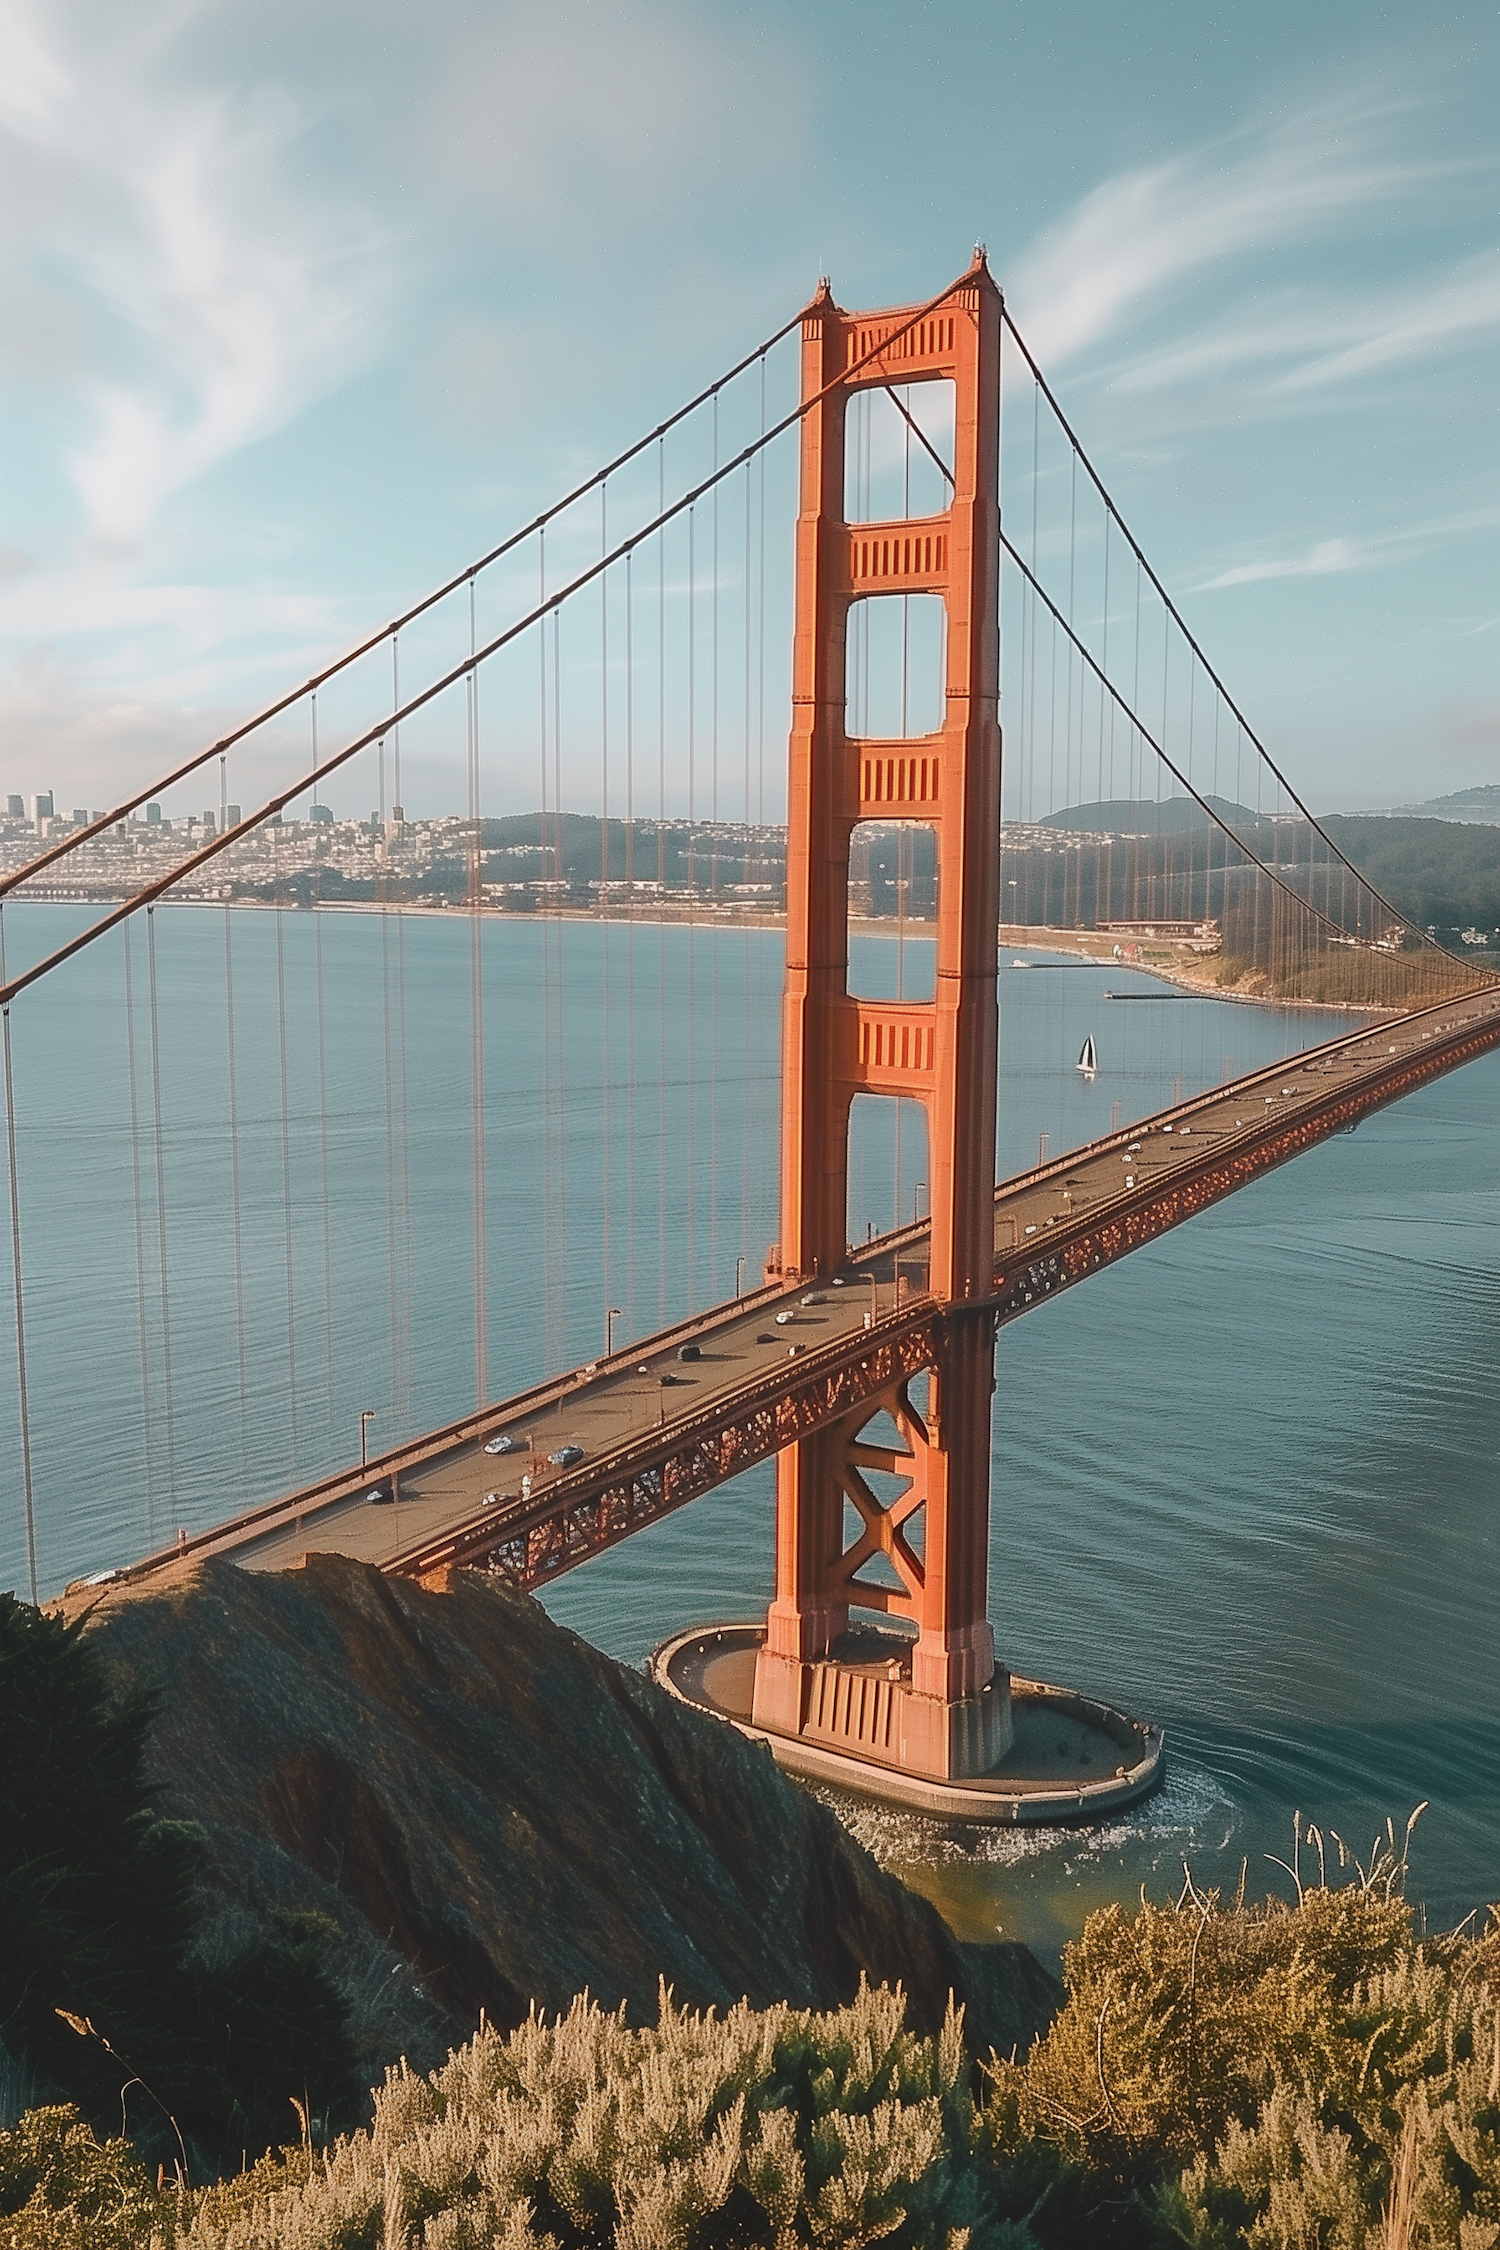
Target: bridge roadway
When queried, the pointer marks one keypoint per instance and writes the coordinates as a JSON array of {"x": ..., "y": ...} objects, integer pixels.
[{"x": 657, "y": 1429}]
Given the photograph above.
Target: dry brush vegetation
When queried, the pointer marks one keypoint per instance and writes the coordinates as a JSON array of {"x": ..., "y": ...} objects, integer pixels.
[{"x": 1314, "y": 2076}]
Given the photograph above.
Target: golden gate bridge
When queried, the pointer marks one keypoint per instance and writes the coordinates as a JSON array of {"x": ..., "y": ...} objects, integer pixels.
[{"x": 630, "y": 630}]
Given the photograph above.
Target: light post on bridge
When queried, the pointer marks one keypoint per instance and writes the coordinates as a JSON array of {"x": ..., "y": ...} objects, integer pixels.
[
  {"x": 610, "y": 1318},
  {"x": 739, "y": 1273},
  {"x": 365, "y": 1419}
]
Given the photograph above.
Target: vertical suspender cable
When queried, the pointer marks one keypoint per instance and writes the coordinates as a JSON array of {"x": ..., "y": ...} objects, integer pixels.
[
  {"x": 715, "y": 1285},
  {"x": 661, "y": 877},
  {"x": 549, "y": 1219},
  {"x": 147, "y": 1433},
  {"x": 630, "y": 948},
  {"x": 476, "y": 1036},
  {"x": 405, "y": 1110},
  {"x": 744, "y": 1249},
  {"x": 692, "y": 935},
  {"x": 286, "y": 1173},
  {"x": 760, "y": 719},
  {"x": 388, "y": 1034},
  {"x": 234, "y": 1168},
  {"x": 323, "y": 1153},
  {"x": 605, "y": 926},
  {"x": 161, "y": 1212},
  {"x": 561, "y": 1111},
  {"x": 402, "y": 1405},
  {"x": 23, "y": 1403},
  {"x": 323, "y": 1112}
]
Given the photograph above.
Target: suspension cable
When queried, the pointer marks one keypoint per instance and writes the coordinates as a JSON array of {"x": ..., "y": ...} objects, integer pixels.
[
  {"x": 390, "y": 724},
  {"x": 271, "y": 711},
  {"x": 1180, "y": 622},
  {"x": 1150, "y": 740}
]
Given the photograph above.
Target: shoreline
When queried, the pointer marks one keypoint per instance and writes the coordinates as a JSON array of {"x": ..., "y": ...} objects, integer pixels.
[{"x": 1062, "y": 945}]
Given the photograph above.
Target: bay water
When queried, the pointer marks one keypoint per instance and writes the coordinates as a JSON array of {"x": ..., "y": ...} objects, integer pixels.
[{"x": 1245, "y": 1484}]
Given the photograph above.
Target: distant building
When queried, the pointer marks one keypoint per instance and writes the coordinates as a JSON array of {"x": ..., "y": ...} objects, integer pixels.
[
  {"x": 231, "y": 816},
  {"x": 15, "y": 808},
  {"x": 80, "y": 816},
  {"x": 41, "y": 805},
  {"x": 153, "y": 816},
  {"x": 321, "y": 816}
]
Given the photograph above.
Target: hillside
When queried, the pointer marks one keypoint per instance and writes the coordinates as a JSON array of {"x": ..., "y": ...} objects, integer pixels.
[
  {"x": 1440, "y": 872},
  {"x": 487, "y": 1814},
  {"x": 1482, "y": 803}
]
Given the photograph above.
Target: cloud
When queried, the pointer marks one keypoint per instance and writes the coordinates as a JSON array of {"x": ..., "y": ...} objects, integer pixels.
[
  {"x": 221, "y": 303},
  {"x": 1465, "y": 303},
  {"x": 1327, "y": 556},
  {"x": 581, "y": 119},
  {"x": 1142, "y": 234},
  {"x": 1319, "y": 339}
]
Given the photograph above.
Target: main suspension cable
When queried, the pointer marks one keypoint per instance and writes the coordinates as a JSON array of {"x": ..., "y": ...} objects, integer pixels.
[
  {"x": 1182, "y": 626},
  {"x": 390, "y": 724},
  {"x": 158, "y": 788}
]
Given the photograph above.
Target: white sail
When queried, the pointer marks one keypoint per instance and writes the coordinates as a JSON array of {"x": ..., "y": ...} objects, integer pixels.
[{"x": 1088, "y": 1060}]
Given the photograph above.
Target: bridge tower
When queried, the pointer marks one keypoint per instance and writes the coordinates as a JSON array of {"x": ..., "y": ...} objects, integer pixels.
[{"x": 933, "y": 1706}]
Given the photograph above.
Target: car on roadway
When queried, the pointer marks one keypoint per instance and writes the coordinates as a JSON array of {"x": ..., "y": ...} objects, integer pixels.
[
  {"x": 495, "y": 1499},
  {"x": 565, "y": 1456},
  {"x": 380, "y": 1496},
  {"x": 509, "y": 1441},
  {"x": 783, "y": 1319}
]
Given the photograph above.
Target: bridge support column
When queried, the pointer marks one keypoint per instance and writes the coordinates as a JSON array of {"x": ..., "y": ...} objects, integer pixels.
[{"x": 933, "y": 1703}]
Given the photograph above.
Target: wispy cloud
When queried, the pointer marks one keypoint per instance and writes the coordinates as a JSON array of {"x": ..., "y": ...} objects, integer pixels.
[
  {"x": 1309, "y": 341},
  {"x": 1142, "y": 234},
  {"x": 220, "y": 304},
  {"x": 1465, "y": 303},
  {"x": 1327, "y": 556}
]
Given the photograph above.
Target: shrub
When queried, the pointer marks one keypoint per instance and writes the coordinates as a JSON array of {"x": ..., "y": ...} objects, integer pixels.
[
  {"x": 61, "y": 2189},
  {"x": 1221, "y": 2077},
  {"x": 101, "y": 1997}
]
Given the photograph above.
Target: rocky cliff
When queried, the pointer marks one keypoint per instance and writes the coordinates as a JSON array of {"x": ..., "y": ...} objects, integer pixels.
[{"x": 491, "y": 1814}]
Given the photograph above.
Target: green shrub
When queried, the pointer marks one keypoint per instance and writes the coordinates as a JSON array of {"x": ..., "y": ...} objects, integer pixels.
[
  {"x": 1267, "y": 2076},
  {"x": 101, "y": 1997},
  {"x": 61, "y": 2189},
  {"x": 1221, "y": 2077}
]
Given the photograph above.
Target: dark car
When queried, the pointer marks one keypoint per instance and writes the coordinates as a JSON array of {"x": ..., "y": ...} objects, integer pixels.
[{"x": 565, "y": 1456}]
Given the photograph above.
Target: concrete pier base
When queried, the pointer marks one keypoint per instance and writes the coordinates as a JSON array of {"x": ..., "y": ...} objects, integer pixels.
[
  {"x": 862, "y": 1698},
  {"x": 1059, "y": 1756}
]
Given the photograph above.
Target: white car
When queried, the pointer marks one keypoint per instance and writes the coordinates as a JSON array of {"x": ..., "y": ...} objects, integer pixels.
[{"x": 506, "y": 1442}]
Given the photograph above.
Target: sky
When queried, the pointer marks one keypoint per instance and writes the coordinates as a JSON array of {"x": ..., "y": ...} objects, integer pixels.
[{"x": 302, "y": 306}]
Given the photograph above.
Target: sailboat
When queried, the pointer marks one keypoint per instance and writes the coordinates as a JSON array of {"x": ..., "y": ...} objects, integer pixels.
[{"x": 1088, "y": 1060}]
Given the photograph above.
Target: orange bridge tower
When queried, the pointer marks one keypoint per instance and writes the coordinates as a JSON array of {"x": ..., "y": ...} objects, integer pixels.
[{"x": 935, "y": 1705}]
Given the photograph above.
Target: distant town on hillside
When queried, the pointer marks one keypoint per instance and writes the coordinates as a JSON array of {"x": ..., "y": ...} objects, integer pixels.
[{"x": 1440, "y": 868}]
